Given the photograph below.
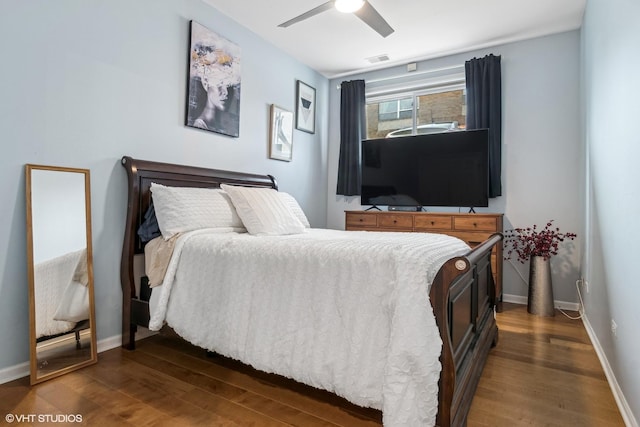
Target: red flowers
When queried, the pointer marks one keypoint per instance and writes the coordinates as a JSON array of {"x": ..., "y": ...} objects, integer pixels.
[{"x": 527, "y": 242}]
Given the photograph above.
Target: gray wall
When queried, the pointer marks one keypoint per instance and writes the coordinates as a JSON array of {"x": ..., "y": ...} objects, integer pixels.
[
  {"x": 83, "y": 83},
  {"x": 541, "y": 167},
  {"x": 611, "y": 89}
]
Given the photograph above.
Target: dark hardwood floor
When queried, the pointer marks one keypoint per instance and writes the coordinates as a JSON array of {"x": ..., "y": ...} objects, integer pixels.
[{"x": 543, "y": 372}]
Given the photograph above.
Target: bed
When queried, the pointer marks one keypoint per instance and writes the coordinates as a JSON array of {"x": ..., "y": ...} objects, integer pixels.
[{"x": 461, "y": 296}]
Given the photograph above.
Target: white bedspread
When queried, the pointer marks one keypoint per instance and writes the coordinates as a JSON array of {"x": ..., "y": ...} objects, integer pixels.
[{"x": 347, "y": 312}]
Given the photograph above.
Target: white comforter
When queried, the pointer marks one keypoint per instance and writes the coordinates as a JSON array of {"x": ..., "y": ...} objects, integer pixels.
[{"x": 347, "y": 312}]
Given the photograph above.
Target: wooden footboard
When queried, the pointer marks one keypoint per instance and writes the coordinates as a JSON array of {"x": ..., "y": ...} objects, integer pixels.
[
  {"x": 462, "y": 294},
  {"x": 463, "y": 299}
]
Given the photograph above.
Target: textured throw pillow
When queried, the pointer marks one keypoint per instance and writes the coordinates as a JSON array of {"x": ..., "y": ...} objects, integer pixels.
[
  {"x": 181, "y": 209},
  {"x": 263, "y": 211},
  {"x": 295, "y": 208}
]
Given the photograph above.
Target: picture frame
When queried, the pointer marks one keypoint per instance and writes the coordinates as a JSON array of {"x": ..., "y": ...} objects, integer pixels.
[
  {"x": 305, "y": 107},
  {"x": 281, "y": 134},
  {"x": 214, "y": 80}
]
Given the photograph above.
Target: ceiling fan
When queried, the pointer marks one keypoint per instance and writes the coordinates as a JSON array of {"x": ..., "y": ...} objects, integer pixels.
[{"x": 361, "y": 8}]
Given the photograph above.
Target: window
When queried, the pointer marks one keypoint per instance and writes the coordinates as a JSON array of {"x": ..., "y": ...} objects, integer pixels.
[
  {"x": 426, "y": 111},
  {"x": 395, "y": 110}
]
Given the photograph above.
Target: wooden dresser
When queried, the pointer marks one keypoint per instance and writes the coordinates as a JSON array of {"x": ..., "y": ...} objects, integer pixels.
[{"x": 472, "y": 228}]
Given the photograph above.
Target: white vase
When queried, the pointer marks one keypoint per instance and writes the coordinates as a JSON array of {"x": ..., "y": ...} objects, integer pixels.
[{"x": 540, "y": 287}]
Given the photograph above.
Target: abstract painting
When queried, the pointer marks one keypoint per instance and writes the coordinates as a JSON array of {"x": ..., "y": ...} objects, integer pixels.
[
  {"x": 281, "y": 134},
  {"x": 213, "y": 93},
  {"x": 305, "y": 107}
]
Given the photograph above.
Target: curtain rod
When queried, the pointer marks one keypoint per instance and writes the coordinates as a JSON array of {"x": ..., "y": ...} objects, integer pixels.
[{"x": 412, "y": 73}]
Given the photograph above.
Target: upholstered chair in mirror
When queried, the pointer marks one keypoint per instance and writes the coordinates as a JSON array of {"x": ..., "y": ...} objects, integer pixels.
[{"x": 60, "y": 271}]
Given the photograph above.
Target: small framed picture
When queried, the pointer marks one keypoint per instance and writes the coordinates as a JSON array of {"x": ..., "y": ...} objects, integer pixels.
[
  {"x": 281, "y": 134},
  {"x": 305, "y": 107}
]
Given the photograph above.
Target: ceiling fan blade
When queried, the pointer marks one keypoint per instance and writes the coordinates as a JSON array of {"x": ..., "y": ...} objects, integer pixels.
[
  {"x": 316, "y": 10},
  {"x": 372, "y": 18}
]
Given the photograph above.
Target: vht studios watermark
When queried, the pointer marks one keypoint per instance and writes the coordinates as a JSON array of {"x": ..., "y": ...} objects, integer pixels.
[{"x": 43, "y": 418}]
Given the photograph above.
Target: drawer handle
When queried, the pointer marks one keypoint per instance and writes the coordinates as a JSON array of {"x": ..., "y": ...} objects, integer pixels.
[
  {"x": 475, "y": 224},
  {"x": 432, "y": 222},
  {"x": 361, "y": 220},
  {"x": 395, "y": 221}
]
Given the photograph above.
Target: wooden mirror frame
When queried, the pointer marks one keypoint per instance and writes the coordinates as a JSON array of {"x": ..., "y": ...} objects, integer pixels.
[{"x": 93, "y": 357}]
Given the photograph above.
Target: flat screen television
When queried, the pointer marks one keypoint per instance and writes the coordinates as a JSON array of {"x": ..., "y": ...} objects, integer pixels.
[{"x": 438, "y": 169}]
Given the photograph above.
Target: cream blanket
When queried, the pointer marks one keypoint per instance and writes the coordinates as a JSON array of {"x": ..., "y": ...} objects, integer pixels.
[{"x": 347, "y": 312}]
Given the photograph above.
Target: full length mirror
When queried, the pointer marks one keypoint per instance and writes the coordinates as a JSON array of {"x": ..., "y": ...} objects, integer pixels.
[{"x": 60, "y": 271}]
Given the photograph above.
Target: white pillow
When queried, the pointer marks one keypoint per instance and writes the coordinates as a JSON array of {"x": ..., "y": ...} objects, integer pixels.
[
  {"x": 180, "y": 209},
  {"x": 295, "y": 208},
  {"x": 263, "y": 211}
]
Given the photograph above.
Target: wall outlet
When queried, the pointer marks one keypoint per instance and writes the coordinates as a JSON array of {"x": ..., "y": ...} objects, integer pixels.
[
  {"x": 614, "y": 328},
  {"x": 583, "y": 285}
]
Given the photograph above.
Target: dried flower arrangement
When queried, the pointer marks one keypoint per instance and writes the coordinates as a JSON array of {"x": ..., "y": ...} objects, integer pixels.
[{"x": 528, "y": 242}]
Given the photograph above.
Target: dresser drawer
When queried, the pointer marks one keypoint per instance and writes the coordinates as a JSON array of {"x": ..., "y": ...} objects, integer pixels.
[
  {"x": 475, "y": 223},
  {"x": 395, "y": 221},
  {"x": 473, "y": 239},
  {"x": 433, "y": 222},
  {"x": 361, "y": 220}
]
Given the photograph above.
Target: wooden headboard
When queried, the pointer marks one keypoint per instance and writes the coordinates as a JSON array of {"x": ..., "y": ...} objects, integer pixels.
[{"x": 141, "y": 173}]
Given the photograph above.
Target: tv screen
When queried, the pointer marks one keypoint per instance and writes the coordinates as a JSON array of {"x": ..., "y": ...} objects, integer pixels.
[{"x": 440, "y": 169}]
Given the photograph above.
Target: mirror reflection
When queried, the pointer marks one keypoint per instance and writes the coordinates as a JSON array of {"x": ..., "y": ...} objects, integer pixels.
[{"x": 60, "y": 270}]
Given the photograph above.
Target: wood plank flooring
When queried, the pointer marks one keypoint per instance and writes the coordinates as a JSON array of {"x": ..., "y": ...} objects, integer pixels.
[{"x": 543, "y": 372}]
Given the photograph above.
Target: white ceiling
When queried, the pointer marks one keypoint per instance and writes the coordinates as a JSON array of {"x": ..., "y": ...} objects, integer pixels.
[{"x": 337, "y": 44}]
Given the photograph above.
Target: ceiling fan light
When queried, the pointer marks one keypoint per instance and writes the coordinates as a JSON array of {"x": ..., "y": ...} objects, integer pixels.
[{"x": 349, "y": 6}]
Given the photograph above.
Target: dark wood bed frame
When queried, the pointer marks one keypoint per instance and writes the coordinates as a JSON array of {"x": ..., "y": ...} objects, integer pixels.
[{"x": 462, "y": 294}]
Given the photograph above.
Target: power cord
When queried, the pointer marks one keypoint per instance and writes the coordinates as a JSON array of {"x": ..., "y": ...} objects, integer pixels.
[{"x": 581, "y": 310}]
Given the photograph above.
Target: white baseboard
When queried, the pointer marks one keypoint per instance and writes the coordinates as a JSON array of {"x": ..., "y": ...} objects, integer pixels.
[
  {"x": 625, "y": 410},
  {"x": 14, "y": 372},
  {"x": 518, "y": 299},
  {"x": 116, "y": 340},
  {"x": 22, "y": 369}
]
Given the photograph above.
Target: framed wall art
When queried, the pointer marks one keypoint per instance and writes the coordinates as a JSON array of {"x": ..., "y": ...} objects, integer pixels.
[
  {"x": 281, "y": 134},
  {"x": 213, "y": 92},
  {"x": 305, "y": 107}
]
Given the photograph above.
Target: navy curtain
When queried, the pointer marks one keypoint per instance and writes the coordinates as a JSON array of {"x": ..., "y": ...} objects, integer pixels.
[
  {"x": 353, "y": 129},
  {"x": 484, "y": 110}
]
